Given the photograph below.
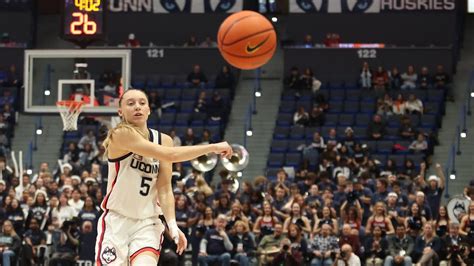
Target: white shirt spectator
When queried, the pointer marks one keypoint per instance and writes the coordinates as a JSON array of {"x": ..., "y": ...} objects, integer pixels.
[
  {"x": 414, "y": 105},
  {"x": 176, "y": 141},
  {"x": 65, "y": 213},
  {"x": 354, "y": 260},
  {"x": 76, "y": 205}
]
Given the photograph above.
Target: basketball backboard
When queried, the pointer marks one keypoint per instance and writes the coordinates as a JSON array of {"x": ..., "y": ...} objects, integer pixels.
[{"x": 96, "y": 77}]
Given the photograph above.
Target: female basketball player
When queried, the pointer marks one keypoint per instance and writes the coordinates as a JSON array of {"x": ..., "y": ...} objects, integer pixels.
[{"x": 140, "y": 159}]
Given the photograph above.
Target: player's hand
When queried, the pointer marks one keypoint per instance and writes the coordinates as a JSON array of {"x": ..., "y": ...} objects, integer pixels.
[
  {"x": 182, "y": 243},
  {"x": 223, "y": 148}
]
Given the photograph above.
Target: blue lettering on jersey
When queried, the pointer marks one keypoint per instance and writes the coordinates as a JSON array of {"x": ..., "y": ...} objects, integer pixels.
[{"x": 144, "y": 167}]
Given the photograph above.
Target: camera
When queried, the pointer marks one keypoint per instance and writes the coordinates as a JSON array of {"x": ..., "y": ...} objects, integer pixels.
[
  {"x": 343, "y": 254},
  {"x": 352, "y": 196},
  {"x": 286, "y": 247},
  {"x": 70, "y": 222}
]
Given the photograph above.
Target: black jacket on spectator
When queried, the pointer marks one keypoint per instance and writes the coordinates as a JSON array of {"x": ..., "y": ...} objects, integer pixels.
[
  {"x": 35, "y": 236},
  {"x": 376, "y": 128},
  {"x": 369, "y": 252},
  {"x": 17, "y": 218},
  {"x": 200, "y": 76},
  {"x": 215, "y": 243},
  {"x": 225, "y": 80},
  {"x": 12, "y": 242},
  {"x": 434, "y": 199},
  {"x": 245, "y": 240},
  {"x": 420, "y": 244},
  {"x": 87, "y": 246}
]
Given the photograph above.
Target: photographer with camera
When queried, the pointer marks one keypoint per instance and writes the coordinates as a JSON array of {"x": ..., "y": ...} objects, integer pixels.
[
  {"x": 346, "y": 257},
  {"x": 66, "y": 251},
  {"x": 454, "y": 247},
  {"x": 323, "y": 247},
  {"x": 269, "y": 246}
]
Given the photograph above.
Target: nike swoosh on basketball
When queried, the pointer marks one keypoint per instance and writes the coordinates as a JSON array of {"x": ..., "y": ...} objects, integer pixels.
[{"x": 253, "y": 49}]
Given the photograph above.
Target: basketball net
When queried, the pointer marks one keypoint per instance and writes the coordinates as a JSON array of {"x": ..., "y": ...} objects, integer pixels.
[{"x": 69, "y": 111}]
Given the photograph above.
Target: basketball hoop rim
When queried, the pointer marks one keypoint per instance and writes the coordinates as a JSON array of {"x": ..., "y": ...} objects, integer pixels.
[{"x": 70, "y": 103}]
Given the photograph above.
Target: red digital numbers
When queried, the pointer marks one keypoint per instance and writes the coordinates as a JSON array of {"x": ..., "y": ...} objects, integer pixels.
[{"x": 82, "y": 25}]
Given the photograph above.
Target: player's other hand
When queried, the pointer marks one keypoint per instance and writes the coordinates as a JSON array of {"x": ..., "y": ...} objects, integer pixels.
[
  {"x": 181, "y": 243},
  {"x": 223, "y": 148}
]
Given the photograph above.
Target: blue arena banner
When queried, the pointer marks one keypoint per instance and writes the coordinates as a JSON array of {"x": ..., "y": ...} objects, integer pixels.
[
  {"x": 176, "y": 6},
  {"x": 369, "y": 6}
]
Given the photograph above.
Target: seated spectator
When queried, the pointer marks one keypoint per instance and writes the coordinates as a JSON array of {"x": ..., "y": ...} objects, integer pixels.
[
  {"x": 332, "y": 137},
  {"x": 154, "y": 100},
  {"x": 66, "y": 250},
  {"x": 13, "y": 79},
  {"x": 424, "y": 206},
  {"x": 420, "y": 145},
  {"x": 265, "y": 223},
  {"x": 453, "y": 245},
  {"x": 191, "y": 42},
  {"x": 10, "y": 243},
  {"x": 380, "y": 79},
  {"x": 189, "y": 138},
  {"x": 269, "y": 246},
  {"x": 216, "y": 107},
  {"x": 467, "y": 222},
  {"x": 7, "y": 98},
  {"x": 297, "y": 217},
  {"x": 216, "y": 245},
  {"x": 376, "y": 129},
  {"x": 424, "y": 79},
  {"x": 380, "y": 219},
  {"x": 316, "y": 117},
  {"x": 414, "y": 222},
  {"x": 225, "y": 78},
  {"x": 201, "y": 103},
  {"x": 322, "y": 246},
  {"x": 384, "y": 109},
  {"x": 197, "y": 78},
  {"x": 398, "y": 106},
  {"x": 301, "y": 117},
  {"x": 427, "y": 247},
  {"x": 395, "y": 79},
  {"x": 9, "y": 114},
  {"x": 243, "y": 244},
  {"x": 176, "y": 139},
  {"x": 308, "y": 81},
  {"x": 347, "y": 257},
  {"x": 351, "y": 213},
  {"x": 413, "y": 105},
  {"x": 308, "y": 41},
  {"x": 347, "y": 237},
  {"x": 365, "y": 77},
  {"x": 35, "y": 239},
  {"x": 406, "y": 131},
  {"x": 409, "y": 79},
  {"x": 89, "y": 212},
  {"x": 292, "y": 81},
  {"x": 75, "y": 200},
  {"x": 87, "y": 239},
  {"x": 332, "y": 40},
  {"x": 15, "y": 214},
  {"x": 400, "y": 248},
  {"x": 38, "y": 209},
  {"x": 441, "y": 78},
  {"x": 208, "y": 43},
  {"x": 132, "y": 41},
  {"x": 375, "y": 247},
  {"x": 326, "y": 219}
]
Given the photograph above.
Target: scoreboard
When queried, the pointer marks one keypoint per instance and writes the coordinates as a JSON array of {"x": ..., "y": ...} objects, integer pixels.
[{"x": 83, "y": 20}]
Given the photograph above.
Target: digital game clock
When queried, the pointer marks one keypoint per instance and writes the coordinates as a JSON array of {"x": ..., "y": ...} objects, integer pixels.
[{"x": 83, "y": 21}]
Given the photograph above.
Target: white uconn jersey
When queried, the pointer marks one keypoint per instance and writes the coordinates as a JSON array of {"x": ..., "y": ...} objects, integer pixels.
[{"x": 131, "y": 191}]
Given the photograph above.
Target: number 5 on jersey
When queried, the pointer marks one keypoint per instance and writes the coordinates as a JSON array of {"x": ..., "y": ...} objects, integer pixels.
[{"x": 145, "y": 186}]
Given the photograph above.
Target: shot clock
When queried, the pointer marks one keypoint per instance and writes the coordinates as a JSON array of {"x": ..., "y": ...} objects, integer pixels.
[{"x": 83, "y": 21}]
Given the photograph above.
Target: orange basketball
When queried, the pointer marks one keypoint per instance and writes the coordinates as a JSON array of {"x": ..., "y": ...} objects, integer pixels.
[{"x": 247, "y": 40}]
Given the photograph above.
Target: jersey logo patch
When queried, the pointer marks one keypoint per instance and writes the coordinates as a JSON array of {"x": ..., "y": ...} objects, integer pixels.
[{"x": 109, "y": 255}]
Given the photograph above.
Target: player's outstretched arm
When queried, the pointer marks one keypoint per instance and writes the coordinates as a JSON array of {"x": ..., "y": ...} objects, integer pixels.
[
  {"x": 126, "y": 140},
  {"x": 166, "y": 197}
]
